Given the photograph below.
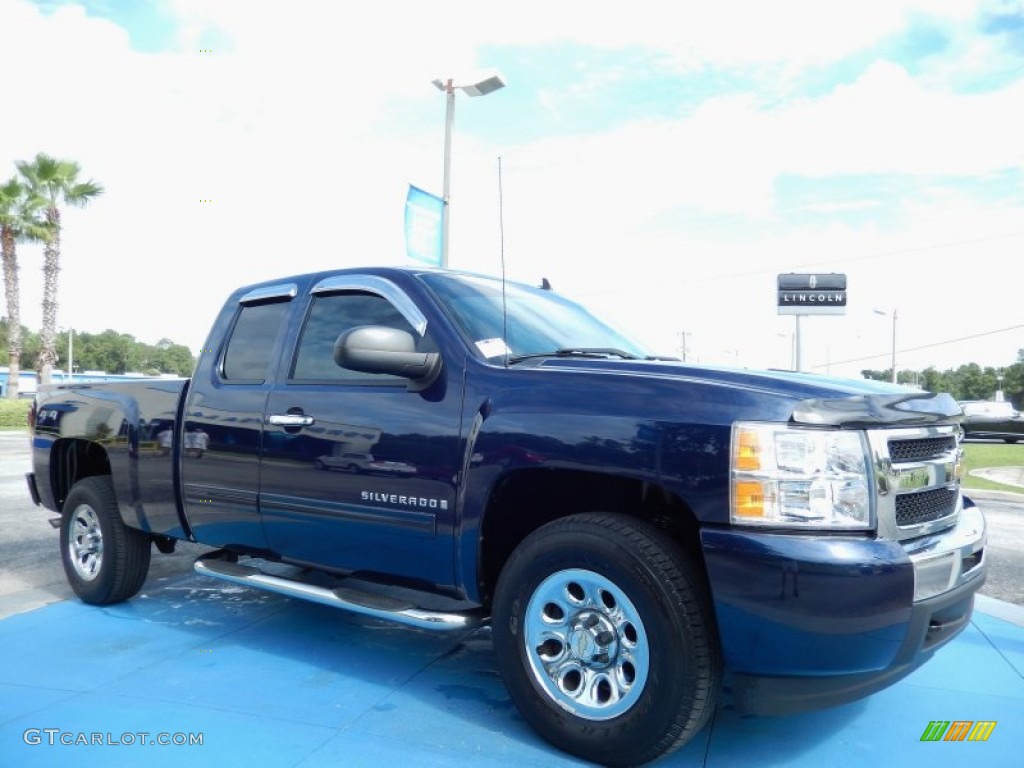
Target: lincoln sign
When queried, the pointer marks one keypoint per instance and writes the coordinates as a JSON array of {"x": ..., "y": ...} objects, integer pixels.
[{"x": 812, "y": 294}]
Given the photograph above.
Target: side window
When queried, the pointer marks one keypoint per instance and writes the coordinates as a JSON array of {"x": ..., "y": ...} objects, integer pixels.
[
  {"x": 329, "y": 316},
  {"x": 247, "y": 357}
]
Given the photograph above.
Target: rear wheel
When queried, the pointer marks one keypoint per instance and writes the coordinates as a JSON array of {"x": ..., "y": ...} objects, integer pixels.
[
  {"x": 604, "y": 634},
  {"x": 105, "y": 561}
]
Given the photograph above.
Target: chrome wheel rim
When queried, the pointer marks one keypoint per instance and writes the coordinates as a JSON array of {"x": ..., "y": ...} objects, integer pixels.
[
  {"x": 586, "y": 643},
  {"x": 85, "y": 542}
]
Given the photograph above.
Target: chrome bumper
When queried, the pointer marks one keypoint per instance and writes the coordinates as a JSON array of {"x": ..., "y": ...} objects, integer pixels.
[{"x": 947, "y": 560}]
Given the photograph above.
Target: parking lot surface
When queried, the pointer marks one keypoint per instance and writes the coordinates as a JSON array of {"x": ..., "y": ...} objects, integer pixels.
[{"x": 265, "y": 680}]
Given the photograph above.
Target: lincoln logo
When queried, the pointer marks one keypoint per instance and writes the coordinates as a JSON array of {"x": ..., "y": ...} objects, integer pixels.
[{"x": 813, "y": 282}]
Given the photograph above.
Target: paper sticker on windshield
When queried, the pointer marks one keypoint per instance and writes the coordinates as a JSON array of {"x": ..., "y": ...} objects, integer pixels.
[{"x": 492, "y": 347}]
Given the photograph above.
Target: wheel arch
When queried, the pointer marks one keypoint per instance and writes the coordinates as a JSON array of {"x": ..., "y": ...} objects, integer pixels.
[
  {"x": 523, "y": 500},
  {"x": 72, "y": 460}
]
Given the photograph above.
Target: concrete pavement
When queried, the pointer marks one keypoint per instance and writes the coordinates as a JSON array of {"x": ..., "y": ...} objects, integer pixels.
[{"x": 1006, "y": 475}]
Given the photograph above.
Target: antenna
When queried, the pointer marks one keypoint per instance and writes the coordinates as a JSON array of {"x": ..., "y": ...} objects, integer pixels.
[{"x": 501, "y": 229}]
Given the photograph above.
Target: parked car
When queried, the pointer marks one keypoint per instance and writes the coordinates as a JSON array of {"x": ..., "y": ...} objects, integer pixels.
[
  {"x": 350, "y": 462},
  {"x": 363, "y": 462},
  {"x": 991, "y": 419}
]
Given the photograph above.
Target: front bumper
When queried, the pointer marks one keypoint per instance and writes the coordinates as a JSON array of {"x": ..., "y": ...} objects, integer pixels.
[{"x": 814, "y": 621}]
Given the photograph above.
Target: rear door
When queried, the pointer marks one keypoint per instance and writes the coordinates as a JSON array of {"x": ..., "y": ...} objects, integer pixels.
[
  {"x": 219, "y": 442},
  {"x": 358, "y": 473}
]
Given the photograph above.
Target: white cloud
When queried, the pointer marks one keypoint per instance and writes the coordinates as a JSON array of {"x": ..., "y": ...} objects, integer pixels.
[
  {"x": 289, "y": 135},
  {"x": 886, "y": 122},
  {"x": 727, "y": 156}
]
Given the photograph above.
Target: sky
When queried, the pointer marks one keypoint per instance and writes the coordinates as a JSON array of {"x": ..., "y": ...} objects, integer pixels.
[{"x": 662, "y": 167}]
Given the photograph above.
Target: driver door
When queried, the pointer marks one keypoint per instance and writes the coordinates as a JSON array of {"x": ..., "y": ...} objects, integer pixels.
[{"x": 357, "y": 472}]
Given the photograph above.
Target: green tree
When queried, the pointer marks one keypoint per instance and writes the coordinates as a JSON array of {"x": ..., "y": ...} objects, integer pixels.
[
  {"x": 933, "y": 380},
  {"x": 116, "y": 352},
  {"x": 168, "y": 357},
  {"x": 109, "y": 351},
  {"x": 29, "y": 344},
  {"x": 1013, "y": 383},
  {"x": 971, "y": 382},
  {"x": 56, "y": 181},
  {"x": 19, "y": 220},
  {"x": 967, "y": 382}
]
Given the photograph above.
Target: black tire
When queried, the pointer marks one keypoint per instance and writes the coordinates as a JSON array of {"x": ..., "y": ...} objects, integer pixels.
[
  {"x": 1011, "y": 440},
  {"x": 605, "y": 636},
  {"x": 105, "y": 561}
]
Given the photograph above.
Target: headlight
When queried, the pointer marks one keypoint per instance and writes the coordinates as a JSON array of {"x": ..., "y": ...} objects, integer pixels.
[{"x": 802, "y": 478}]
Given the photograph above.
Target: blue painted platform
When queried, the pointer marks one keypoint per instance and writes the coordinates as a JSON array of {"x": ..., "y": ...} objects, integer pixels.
[{"x": 269, "y": 681}]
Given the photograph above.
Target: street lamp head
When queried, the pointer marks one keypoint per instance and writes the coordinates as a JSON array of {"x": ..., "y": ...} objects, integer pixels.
[{"x": 484, "y": 85}]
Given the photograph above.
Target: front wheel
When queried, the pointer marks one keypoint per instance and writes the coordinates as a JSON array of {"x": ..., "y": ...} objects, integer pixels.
[
  {"x": 604, "y": 634},
  {"x": 105, "y": 561}
]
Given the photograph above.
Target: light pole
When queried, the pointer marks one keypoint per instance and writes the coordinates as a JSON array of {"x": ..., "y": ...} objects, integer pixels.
[
  {"x": 893, "y": 313},
  {"x": 791, "y": 343},
  {"x": 482, "y": 87},
  {"x": 71, "y": 353},
  {"x": 682, "y": 346}
]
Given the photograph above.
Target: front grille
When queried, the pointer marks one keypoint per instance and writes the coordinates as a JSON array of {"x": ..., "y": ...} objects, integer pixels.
[
  {"x": 919, "y": 450},
  {"x": 918, "y": 479},
  {"x": 923, "y": 507}
]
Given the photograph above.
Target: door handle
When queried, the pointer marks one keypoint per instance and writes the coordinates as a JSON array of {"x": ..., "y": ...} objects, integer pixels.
[{"x": 290, "y": 420}]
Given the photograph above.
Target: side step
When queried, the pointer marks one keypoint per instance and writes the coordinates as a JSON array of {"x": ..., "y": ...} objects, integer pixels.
[{"x": 221, "y": 565}]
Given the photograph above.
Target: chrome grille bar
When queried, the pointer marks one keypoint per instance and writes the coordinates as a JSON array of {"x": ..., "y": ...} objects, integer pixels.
[{"x": 917, "y": 473}]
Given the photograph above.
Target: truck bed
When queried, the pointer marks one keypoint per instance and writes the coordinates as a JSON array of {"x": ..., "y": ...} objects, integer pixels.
[{"x": 135, "y": 424}]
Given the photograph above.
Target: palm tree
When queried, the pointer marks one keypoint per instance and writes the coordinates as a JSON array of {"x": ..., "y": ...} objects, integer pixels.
[
  {"x": 56, "y": 181},
  {"x": 19, "y": 220}
]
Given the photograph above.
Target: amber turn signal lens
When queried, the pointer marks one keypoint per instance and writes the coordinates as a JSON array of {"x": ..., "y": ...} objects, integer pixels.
[{"x": 749, "y": 498}]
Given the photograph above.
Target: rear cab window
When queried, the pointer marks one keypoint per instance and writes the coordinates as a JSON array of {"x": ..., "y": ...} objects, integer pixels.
[{"x": 250, "y": 346}]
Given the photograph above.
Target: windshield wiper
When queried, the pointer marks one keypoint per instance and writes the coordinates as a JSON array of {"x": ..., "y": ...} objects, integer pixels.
[{"x": 602, "y": 352}]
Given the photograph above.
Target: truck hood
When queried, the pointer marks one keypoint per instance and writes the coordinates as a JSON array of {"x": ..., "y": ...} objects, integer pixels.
[{"x": 817, "y": 400}]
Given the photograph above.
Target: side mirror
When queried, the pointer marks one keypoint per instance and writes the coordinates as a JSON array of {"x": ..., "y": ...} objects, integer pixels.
[{"x": 379, "y": 349}]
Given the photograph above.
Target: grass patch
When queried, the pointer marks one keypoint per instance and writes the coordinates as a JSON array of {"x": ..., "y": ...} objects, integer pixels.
[
  {"x": 982, "y": 455},
  {"x": 14, "y": 413}
]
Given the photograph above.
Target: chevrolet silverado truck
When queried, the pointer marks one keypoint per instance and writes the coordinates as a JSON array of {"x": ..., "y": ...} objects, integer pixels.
[{"x": 640, "y": 534}]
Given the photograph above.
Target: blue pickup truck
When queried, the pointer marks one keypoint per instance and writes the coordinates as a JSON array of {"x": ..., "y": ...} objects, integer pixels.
[{"x": 447, "y": 450}]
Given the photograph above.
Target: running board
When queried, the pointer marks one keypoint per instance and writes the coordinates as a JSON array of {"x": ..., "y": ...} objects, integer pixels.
[{"x": 218, "y": 566}]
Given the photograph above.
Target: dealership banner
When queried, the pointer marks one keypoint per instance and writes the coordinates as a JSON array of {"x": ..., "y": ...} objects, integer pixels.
[
  {"x": 424, "y": 220},
  {"x": 822, "y": 294}
]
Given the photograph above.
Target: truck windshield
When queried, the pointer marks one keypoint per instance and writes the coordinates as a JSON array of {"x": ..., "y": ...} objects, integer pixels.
[{"x": 539, "y": 322}]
